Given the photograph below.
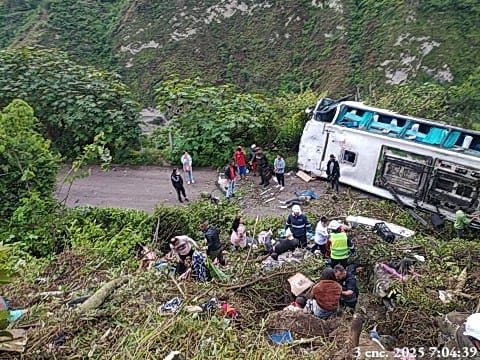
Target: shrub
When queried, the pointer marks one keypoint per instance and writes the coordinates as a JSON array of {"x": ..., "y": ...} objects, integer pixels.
[{"x": 73, "y": 102}]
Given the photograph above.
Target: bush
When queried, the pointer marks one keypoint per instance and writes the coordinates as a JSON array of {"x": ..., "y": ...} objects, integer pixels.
[
  {"x": 210, "y": 121},
  {"x": 27, "y": 164},
  {"x": 73, "y": 102}
]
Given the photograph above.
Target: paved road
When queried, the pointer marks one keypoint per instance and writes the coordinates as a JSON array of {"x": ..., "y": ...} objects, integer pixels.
[{"x": 132, "y": 187}]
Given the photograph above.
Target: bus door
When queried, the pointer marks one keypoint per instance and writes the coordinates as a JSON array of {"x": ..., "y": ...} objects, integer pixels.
[
  {"x": 453, "y": 186},
  {"x": 405, "y": 172}
]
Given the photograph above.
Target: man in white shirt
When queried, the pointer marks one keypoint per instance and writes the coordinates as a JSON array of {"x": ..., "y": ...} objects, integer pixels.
[{"x": 321, "y": 236}]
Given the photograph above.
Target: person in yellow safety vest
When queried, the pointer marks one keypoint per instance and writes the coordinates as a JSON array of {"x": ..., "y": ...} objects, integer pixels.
[{"x": 341, "y": 245}]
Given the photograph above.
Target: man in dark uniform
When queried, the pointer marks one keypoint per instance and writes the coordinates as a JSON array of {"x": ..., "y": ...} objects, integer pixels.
[
  {"x": 333, "y": 172},
  {"x": 349, "y": 286},
  {"x": 263, "y": 167}
]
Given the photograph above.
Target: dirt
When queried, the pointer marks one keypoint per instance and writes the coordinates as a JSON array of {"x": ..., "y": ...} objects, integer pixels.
[{"x": 143, "y": 187}]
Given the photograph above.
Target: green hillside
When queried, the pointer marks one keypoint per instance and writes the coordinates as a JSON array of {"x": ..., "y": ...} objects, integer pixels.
[{"x": 335, "y": 45}]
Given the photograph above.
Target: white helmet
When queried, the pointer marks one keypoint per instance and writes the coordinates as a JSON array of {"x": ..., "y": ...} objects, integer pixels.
[
  {"x": 296, "y": 209},
  {"x": 472, "y": 326},
  {"x": 334, "y": 225},
  {"x": 253, "y": 146}
]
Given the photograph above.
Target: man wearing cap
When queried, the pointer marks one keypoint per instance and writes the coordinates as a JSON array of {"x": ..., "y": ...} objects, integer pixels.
[
  {"x": 341, "y": 245},
  {"x": 462, "y": 333},
  {"x": 190, "y": 262},
  {"x": 298, "y": 225}
]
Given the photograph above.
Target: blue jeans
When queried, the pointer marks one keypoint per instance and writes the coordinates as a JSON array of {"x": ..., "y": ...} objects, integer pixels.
[
  {"x": 231, "y": 188},
  {"x": 189, "y": 176}
]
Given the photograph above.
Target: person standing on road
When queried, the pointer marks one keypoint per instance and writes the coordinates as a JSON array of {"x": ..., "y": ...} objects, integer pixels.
[
  {"x": 177, "y": 183},
  {"x": 252, "y": 161},
  {"x": 264, "y": 168},
  {"x": 279, "y": 169},
  {"x": 241, "y": 162},
  {"x": 231, "y": 175},
  {"x": 333, "y": 172},
  {"x": 187, "y": 167}
]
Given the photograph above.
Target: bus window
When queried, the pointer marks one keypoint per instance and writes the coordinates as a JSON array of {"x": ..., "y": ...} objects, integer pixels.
[
  {"x": 387, "y": 124},
  {"x": 349, "y": 157},
  {"x": 464, "y": 190}
]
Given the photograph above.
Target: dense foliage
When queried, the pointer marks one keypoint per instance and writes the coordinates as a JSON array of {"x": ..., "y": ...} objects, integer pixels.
[
  {"x": 457, "y": 105},
  {"x": 27, "y": 164},
  {"x": 210, "y": 121},
  {"x": 73, "y": 102}
]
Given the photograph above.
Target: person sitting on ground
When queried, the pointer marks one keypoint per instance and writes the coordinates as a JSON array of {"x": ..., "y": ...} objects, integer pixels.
[
  {"x": 326, "y": 295},
  {"x": 148, "y": 257},
  {"x": 239, "y": 233},
  {"x": 297, "y": 305},
  {"x": 177, "y": 183},
  {"x": 349, "y": 286},
  {"x": 298, "y": 225},
  {"x": 214, "y": 246},
  {"x": 321, "y": 237},
  {"x": 460, "y": 331},
  {"x": 462, "y": 221},
  {"x": 341, "y": 245},
  {"x": 241, "y": 162},
  {"x": 189, "y": 261}
]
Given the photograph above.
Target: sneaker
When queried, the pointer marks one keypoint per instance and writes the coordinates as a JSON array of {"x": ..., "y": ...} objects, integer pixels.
[
  {"x": 188, "y": 182},
  {"x": 281, "y": 188},
  {"x": 266, "y": 186},
  {"x": 277, "y": 186},
  {"x": 181, "y": 200},
  {"x": 193, "y": 181},
  {"x": 186, "y": 199}
]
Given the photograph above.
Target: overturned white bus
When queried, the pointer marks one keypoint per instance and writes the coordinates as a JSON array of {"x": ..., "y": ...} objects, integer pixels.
[{"x": 423, "y": 163}]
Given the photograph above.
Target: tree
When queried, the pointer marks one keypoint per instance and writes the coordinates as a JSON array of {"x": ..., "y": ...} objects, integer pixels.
[
  {"x": 210, "y": 121},
  {"x": 73, "y": 102},
  {"x": 27, "y": 164}
]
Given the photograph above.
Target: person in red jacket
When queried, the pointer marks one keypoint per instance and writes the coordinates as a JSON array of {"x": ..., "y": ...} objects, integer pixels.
[{"x": 241, "y": 162}]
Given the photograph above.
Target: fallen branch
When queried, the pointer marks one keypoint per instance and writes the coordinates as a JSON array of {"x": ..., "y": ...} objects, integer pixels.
[
  {"x": 101, "y": 294},
  {"x": 250, "y": 249},
  {"x": 262, "y": 278}
]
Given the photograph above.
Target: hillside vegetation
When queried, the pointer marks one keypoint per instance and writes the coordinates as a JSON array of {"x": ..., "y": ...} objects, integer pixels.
[{"x": 260, "y": 45}]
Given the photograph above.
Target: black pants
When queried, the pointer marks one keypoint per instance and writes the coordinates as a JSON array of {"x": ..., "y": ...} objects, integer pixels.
[
  {"x": 181, "y": 191},
  {"x": 350, "y": 302},
  {"x": 302, "y": 241},
  {"x": 334, "y": 181},
  {"x": 265, "y": 178},
  {"x": 216, "y": 254},
  {"x": 343, "y": 262},
  {"x": 281, "y": 179}
]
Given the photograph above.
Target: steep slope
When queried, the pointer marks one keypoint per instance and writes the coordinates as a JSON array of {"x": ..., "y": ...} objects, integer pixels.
[{"x": 261, "y": 45}]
